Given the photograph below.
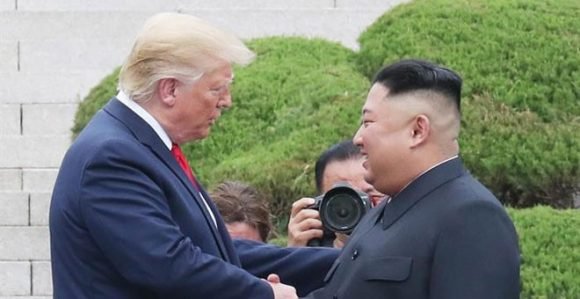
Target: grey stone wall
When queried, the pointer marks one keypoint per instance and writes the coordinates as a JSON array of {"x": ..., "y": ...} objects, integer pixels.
[{"x": 53, "y": 51}]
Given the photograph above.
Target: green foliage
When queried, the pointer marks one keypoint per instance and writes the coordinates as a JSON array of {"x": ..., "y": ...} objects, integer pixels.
[
  {"x": 520, "y": 60},
  {"x": 549, "y": 244},
  {"x": 525, "y": 53},
  {"x": 296, "y": 99},
  {"x": 523, "y": 160},
  {"x": 97, "y": 98}
]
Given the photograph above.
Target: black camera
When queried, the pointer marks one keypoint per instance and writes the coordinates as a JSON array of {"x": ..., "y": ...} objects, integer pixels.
[{"x": 341, "y": 209}]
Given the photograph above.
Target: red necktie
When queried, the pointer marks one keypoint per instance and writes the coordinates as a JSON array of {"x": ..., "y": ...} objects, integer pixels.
[{"x": 180, "y": 157}]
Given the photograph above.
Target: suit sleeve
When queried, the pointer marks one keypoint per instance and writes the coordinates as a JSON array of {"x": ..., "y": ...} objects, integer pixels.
[
  {"x": 304, "y": 268},
  {"x": 127, "y": 214},
  {"x": 476, "y": 255}
]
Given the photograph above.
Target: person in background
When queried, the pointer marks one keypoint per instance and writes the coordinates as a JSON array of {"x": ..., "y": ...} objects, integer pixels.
[
  {"x": 128, "y": 218},
  {"x": 244, "y": 210},
  {"x": 442, "y": 234},
  {"x": 341, "y": 163}
]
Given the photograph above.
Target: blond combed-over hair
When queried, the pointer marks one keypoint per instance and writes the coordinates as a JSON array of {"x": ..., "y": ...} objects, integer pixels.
[{"x": 179, "y": 46}]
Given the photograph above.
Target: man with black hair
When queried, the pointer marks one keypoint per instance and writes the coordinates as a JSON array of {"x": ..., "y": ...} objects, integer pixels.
[
  {"x": 442, "y": 234},
  {"x": 341, "y": 163}
]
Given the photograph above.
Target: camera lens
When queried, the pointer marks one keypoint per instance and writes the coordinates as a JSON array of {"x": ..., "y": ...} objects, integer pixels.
[{"x": 342, "y": 211}]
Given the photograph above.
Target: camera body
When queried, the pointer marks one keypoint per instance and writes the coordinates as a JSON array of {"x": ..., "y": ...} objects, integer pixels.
[{"x": 341, "y": 209}]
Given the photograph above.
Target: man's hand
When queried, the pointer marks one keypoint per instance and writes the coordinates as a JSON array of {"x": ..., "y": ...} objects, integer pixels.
[
  {"x": 281, "y": 291},
  {"x": 304, "y": 224}
]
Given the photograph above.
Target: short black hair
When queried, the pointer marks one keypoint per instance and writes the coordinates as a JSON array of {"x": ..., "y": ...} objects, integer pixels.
[
  {"x": 342, "y": 151},
  {"x": 413, "y": 74}
]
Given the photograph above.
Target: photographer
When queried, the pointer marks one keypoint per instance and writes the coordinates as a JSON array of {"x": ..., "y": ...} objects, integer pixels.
[
  {"x": 245, "y": 211},
  {"x": 341, "y": 163}
]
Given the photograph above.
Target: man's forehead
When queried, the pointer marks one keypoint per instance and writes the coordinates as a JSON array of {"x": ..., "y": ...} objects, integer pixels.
[{"x": 376, "y": 96}]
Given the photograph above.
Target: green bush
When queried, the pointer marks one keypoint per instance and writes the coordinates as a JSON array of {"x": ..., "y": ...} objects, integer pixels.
[
  {"x": 549, "y": 244},
  {"x": 525, "y": 53},
  {"x": 523, "y": 160},
  {"x": 520, "y": 60},
  {"x": 296, "y": 99}
]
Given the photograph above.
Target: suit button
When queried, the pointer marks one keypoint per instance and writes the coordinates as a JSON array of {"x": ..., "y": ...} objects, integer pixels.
[{"x": 354, "y": 254}]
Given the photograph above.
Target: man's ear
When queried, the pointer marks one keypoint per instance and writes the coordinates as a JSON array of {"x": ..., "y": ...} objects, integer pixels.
[
  {"x": 166, "y": 89},
  {"x": 420, "y": 130}
]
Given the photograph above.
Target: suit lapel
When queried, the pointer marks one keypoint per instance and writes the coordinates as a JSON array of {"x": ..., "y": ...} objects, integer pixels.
[
  {"x": 225, "y": 241},
  {"x": 419, "y": 188},
  {"x": 146, "y": 135}
]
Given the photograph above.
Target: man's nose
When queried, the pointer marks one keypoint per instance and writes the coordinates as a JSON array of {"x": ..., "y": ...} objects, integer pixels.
[{"x": 357, "y": 139}]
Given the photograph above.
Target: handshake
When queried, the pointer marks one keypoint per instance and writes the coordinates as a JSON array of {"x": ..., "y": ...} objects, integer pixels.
[{"x": 328, "y": 219}]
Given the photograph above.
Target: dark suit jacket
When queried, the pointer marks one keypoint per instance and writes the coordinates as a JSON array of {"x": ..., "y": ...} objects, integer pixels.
[
  {"x": 445, "y": 236},
  {"x": 125, "y": 222}
]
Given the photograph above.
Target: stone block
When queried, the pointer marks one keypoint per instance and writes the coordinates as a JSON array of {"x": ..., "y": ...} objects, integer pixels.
[
  {"x": 41, "y": 278},
  {"x": 48, "y": 119},
  {"x": 32, "y": 152},
  {"x": 39, "y": 179},
  {"x": 39, "y": 208},
  {"x": 7, "y": 5},
  {"x": 339, "y": 25},
  {"x": 255, "y": 4},
  {"x": 8, "y": 55},
  {"x": 24, "y": 243},
  {"x": 50, "y": 25},
  {"x": 14, "y": 209},
  {"x": 10, "y": 116},
  {"x": 73, "y": 54},
  {"x": 10, "y": 179},
  {"x": 49, "y": 86},
  {"x": 381, "y": 6},
  {"x": 14, "y": 278},
  {"x": 165, "y": 5},
  {"x": 101, "y": 5}
]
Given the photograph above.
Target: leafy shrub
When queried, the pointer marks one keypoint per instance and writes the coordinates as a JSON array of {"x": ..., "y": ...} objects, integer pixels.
[
  {"x": 549, "y": 243},
  {"x": 521, "y": 65},
  {"x": 296, "y": 99},
  {"x": 523, "y": 160},
  {"x": 524, "y": 53}
]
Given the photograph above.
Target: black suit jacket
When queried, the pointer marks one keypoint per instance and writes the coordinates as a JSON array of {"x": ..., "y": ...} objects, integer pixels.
[
  {"x": 126, "y": 222},
  {"x": 445, "y": 236}
]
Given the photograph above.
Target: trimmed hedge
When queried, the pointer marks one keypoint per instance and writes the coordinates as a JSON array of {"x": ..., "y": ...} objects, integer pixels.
[
  {"x": 520, "y": 60},
  {"x": 523, "y": 160},
  {"x": 549, "y": 244},
  {"x": 525, "y": 53},
  {"x": 296, "y": 99}
]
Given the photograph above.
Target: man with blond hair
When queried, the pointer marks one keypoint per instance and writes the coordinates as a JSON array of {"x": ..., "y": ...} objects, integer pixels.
[{"x": 128, "y": 218}]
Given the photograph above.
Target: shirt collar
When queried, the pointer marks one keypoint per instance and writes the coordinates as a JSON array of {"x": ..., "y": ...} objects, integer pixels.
[{"x": 146, "y": 116}]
